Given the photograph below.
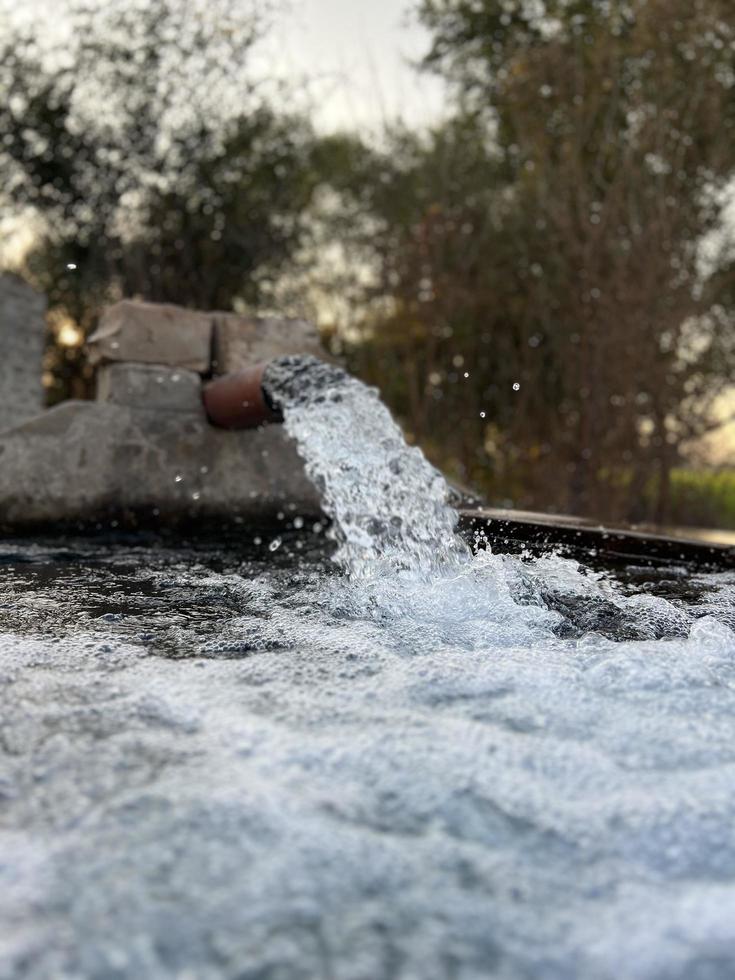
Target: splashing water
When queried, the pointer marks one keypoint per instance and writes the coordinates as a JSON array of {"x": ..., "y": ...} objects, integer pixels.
[
  {"x": 438, "y": 766},
  {"x": 389, "y": 505},
  {"x": 212, "y": 768}
]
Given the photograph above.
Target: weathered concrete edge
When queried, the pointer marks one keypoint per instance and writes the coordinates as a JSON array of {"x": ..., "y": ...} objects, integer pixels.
[
  {"x": 104, "y": 465},
  {"x": 515, "y": 530}
]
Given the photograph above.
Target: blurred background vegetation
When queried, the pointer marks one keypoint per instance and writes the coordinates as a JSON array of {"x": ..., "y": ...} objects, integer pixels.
[{"x": 542, "y": 284}]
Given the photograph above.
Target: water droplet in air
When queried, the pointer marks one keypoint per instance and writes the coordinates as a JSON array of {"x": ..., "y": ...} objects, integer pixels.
[
  {"x": 516, "y": 386},
  {"x": 482, "y": 415},
  {"x": 298, "y": 522},
  {"x": 196, "y": 495},
  {"x": 275, "y": 544},
  {"x": 178, "y": 478},
  {"x": 71, "y": 266}
]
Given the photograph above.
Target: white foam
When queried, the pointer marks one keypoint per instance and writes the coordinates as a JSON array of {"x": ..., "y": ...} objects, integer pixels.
[
  {"x": 389, "y": 505},
  {"x": 410, "y": 778},
  {"x": 433, "y": 766}
]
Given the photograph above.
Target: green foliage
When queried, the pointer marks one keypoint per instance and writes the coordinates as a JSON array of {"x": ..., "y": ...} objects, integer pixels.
[{"x": 703, "y": 498}]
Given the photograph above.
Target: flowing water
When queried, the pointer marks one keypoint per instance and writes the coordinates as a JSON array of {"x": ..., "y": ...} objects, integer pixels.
[
  {"x": 389, "y": 506},
  {"x": 375, "y": 755}
]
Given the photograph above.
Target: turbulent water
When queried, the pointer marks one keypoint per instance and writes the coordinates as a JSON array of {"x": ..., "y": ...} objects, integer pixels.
[
  {"x": 408, "y": 763},
  {"x": 389, "y": 506}
]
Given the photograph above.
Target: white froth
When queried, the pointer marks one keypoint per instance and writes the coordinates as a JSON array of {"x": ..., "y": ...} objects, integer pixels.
[
  {"x": 388, "y": 504},
  {"x": 433, "y": 766},
  {"x": 427, "y": 782}
]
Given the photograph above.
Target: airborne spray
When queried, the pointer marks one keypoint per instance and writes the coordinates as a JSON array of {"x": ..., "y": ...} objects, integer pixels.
[{"x": 388, "y": 504}]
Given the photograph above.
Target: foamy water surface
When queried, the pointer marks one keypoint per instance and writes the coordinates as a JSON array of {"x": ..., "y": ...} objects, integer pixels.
[
  {"x": 379, "y": 758},
  {"x": 214, "y": 767}
]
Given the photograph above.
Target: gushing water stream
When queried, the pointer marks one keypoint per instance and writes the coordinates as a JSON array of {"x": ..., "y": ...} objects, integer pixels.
[{"x": 390, "y": 507}]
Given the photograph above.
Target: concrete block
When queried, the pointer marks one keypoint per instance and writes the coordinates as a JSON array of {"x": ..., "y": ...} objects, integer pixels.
[
  {"x": 150, "y": 387},
  {"x": 90, "y": 463},
  {"x": 243, "y": 340},
  {"x": 22, "y": 332},
  {"x": 144, "y": 452},
  {"x": 153, "y": 333}
]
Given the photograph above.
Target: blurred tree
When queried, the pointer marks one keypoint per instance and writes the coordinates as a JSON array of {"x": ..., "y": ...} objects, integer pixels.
[
  {"x": 157, "y": 167},
  {"x": 553, "y": 332},
  {"x": 528, "y": 281}
]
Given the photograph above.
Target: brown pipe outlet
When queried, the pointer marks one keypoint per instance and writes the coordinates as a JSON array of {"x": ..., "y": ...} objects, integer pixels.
[{"x": 238, "y": 401}]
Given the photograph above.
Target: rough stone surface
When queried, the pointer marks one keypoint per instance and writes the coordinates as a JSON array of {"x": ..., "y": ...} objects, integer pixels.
[
  {"x": 240, "y": 340},
  {"x": 22, "y": 329},
  {"x": 150, "y": 387},
  {"x": 97, "y": 462},
  {"x": 144, "y": 451},
  {"x": 153, "y": 333}
]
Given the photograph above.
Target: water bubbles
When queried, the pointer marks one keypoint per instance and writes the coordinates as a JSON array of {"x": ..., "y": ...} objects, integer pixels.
[
  {"x": 71, "y": 266},
  {"x": 482, "y": 415},
  {"x": 275, "y": 544},
  {"x": 466, "y": 374},
  {"x": 516, "y": 386},
  {"x": 388, "y": 504},
  {"x": 298, "y": 523},
  {"x": 196, "y": 495},
  {"x": 178, "y": 478},
  {"x": 584, "y": 781}
]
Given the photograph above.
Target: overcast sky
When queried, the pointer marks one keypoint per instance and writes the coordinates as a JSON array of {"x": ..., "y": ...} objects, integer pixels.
[
  {"x": 359, "y": 51},
  {"x": 357, "y": 54}
]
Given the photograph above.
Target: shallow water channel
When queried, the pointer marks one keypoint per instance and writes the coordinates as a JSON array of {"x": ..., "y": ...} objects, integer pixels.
[{"x": 237, "y": 762}]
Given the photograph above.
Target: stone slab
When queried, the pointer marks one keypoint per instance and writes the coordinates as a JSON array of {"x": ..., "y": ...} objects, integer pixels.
[
  {"x": 22, "y": 332},
  {"x": 150, "y": 387},
  {"x": 153, "y": 333},
  {"x": 241, "y": 340},
  {"x": 101, "y": 463}
]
